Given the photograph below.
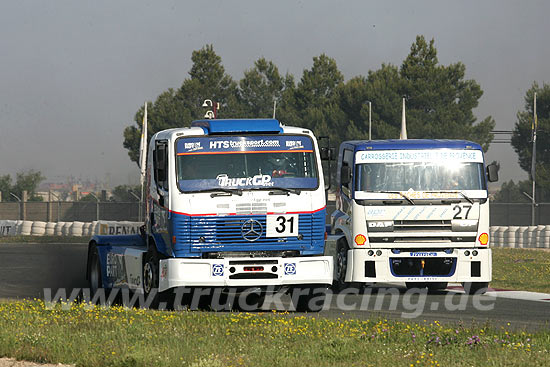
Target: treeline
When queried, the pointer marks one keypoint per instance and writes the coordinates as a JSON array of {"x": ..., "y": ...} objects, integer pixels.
[{"x": 439, "y": 98}]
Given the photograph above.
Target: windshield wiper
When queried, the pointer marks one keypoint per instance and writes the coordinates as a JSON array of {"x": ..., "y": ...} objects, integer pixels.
[
  {"x": 284, "y": 191},
  {"x": 455, "y": 192},
  {"x": 399, "y": 193},
  {"x": 223, "y": 192}
]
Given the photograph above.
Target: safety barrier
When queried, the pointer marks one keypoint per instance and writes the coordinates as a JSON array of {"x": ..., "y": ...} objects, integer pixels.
[
  {"x": 520, "y": 237},
  {"x": 78, "y": 229},
  {"x": 500, "y": 236}
]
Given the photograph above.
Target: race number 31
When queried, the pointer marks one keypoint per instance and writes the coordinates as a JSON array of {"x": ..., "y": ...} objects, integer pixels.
[{"x": 282, "y": 225}]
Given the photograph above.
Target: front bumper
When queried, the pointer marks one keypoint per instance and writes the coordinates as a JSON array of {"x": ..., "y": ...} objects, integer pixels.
[
  {"x": 405, "y": 266},
  {"x": 245, "y": 272}
]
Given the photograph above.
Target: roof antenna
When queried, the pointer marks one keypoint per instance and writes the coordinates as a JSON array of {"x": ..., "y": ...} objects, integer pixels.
[{"x": 403, "y": 135}]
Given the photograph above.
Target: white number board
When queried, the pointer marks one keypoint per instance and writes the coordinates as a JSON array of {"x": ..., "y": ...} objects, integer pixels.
[{"x": 282, "y": 225}]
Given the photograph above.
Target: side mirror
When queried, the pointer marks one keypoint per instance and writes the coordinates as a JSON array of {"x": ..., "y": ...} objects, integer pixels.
[
  {"x": 492, "y": 173},
  {"x": 345, "y": 175},
  {"x": 327, "y": 154}
]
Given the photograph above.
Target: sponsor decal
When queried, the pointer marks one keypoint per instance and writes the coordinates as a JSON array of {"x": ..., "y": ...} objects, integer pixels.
[
  {"x": 239, "y": 144},
  {"x": 217, "y": 270},
  {"x": 193, "y": 146},
  {"x": 294, "y": 144},
  {"x": 290, "y": 268},
  {"x": 115, "y": 267},
  {"x": 258, "y": 180},
  {"x": 118, "y": 229},
  {"x": 376, "y": 212},
  {"x": 441, "y": 156},
  {"x": 164, "y": 271},
  {"x": 5, "y": 230}
]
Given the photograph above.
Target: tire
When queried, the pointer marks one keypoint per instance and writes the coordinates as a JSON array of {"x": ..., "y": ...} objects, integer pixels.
[
  {"x": 437, "y": 286},
  {"x": 419, "y": 285},
  {"x": 312, "y": 301},
  {"x": 475, "y": 287},
  {"x": 94, "y": 270},
  {"x": 340, "y": 265},
  {"x": 150, "y": 276}
]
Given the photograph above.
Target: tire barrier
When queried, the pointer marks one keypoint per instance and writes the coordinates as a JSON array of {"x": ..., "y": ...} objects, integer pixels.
[
  {"x": 77, "y": 229},
  {"x": 38, "y": 228},
  {"x": 499, "y": 236},
  {"x": 26, "y": 227},
  {"x": 50, "y": 228}
]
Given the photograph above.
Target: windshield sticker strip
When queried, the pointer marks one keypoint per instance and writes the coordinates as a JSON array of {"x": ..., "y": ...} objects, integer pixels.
[
  {"x": 442, "y": 156},
  {"x": 249, "y": 151}
]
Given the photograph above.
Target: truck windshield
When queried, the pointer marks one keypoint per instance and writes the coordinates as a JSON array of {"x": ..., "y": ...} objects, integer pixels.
[
  {"x": 249, "y": 162},
  {"x": 420, "y": 176}
]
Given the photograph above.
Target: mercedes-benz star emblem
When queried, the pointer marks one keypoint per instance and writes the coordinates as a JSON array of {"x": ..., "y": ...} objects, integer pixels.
[{"x": 252, "y": 230}]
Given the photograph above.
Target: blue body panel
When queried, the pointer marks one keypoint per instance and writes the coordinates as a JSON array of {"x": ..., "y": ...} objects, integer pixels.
[
  {"x": 249, "y": 126},
  {"x": 119, "y": 240},
  {"x": 223, "y": 233}
]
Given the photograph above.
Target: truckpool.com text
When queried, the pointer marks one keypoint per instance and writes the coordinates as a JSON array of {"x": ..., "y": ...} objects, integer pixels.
[{"x": 410, "y": 303}]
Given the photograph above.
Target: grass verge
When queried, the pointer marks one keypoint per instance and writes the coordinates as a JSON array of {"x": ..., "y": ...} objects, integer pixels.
[
  {"x": 521, "y": 269},
  {"x": 95, "y": 336},
  {"x": 44, "y": 239}
]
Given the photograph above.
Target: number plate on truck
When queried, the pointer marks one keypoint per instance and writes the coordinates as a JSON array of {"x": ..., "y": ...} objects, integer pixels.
[{"x": 282, "y": 225}]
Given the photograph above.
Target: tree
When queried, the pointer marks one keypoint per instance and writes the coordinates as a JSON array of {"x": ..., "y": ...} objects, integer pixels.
[
  {"x": 24, "y": 181},
  {"x": 511, "y": 192},
  {"x": 5, "y": 187},
  {"x": 315, "y": 100},
  {"x": 121, "y": 193},
  {"x": 522, "y": 135},
  {"x": 260, "y": 87},
  {"x": 177, "y": 108},
  {"x": 439, "y": 101}
]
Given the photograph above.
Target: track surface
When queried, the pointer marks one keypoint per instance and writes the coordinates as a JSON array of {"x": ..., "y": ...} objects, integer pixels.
[{"x": 26, "y": 269}]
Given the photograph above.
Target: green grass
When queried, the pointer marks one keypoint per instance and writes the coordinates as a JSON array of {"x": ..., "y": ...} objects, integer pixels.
[
  {"x": 521, "y": 269},
  {"x": 44, "y": 239},
  {"x": 95, "y": 336}
]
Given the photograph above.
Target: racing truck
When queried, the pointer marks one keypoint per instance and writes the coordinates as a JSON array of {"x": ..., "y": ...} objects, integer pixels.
[
  {"x": 413, "y": 211},
  {"x": 234, "y": 203}
]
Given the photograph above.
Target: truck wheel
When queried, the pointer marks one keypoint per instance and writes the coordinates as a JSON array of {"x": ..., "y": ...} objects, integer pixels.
[
  {"x": 339, "y": 283},
  {"x": 312, "y": 301},
  {"x": 437, "y": 286},
  {"x": 151, "y": 278},
  {"x": 96, "y": 282},
  {"x": 419, "y": 285},
  {"x": 475, "y": 287}
]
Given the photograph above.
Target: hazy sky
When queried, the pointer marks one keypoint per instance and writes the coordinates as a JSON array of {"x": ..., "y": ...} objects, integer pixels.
[{"x": 73, "y": 73}]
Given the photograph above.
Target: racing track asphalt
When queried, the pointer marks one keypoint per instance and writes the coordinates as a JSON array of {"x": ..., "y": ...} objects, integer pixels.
[{"x": 26, "y": 269}]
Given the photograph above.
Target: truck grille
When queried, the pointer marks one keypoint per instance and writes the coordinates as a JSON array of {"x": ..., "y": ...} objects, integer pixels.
[
  {"x": 420, "y": 231},
  {"x": 421, "y": 225},
  {"x": 211, "y": 233}
]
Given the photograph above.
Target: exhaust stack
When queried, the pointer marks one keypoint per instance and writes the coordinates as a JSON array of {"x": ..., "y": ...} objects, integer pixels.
[{"x": 403, "y": 135}]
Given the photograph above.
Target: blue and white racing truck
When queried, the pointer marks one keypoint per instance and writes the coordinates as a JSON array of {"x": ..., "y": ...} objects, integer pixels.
[{"x": 231, "y": 204}]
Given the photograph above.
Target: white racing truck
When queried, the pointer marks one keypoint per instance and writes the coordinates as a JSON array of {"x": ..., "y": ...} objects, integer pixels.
[
  {"x": 413, "y": 211},
  {"x": 230, "y": 204}
]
